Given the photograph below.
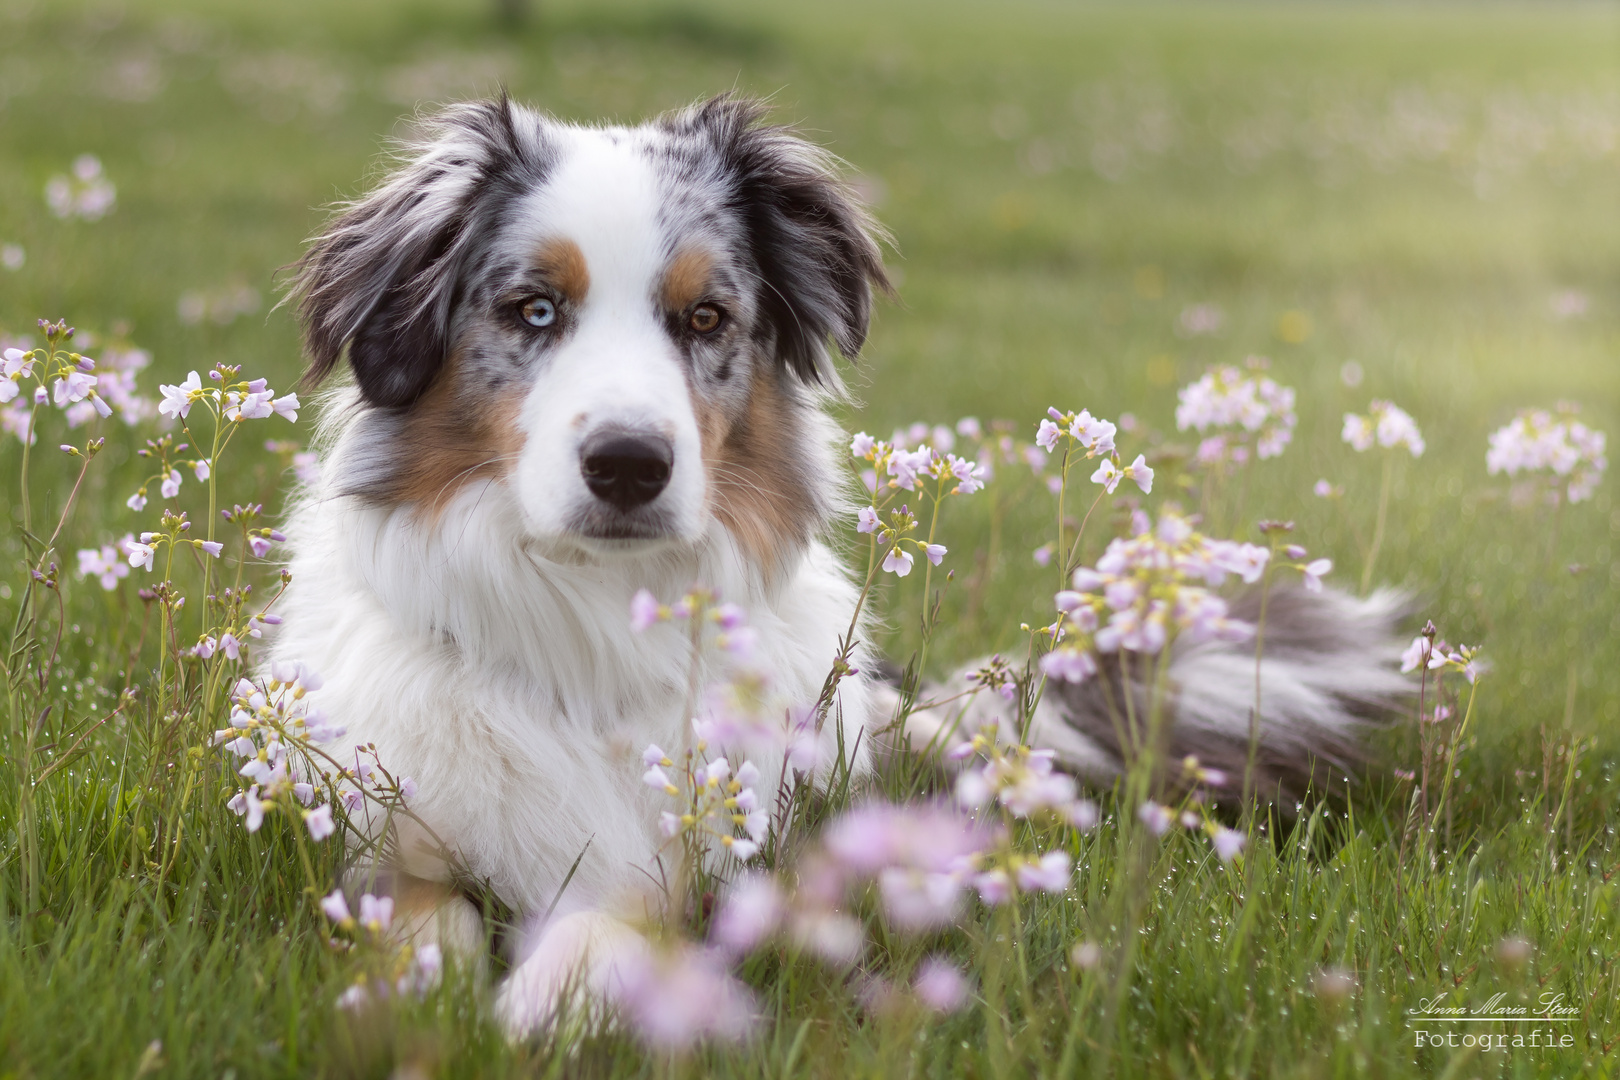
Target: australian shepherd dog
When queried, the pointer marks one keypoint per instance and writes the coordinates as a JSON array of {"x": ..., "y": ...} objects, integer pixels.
[{"x": 589, "y": 361}]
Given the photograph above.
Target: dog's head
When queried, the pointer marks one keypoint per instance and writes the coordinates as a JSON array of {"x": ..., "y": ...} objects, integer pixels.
[{"x": 628, "y": 327}]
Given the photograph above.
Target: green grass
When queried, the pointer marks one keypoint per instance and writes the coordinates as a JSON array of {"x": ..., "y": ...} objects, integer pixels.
[{"x": 1061, "y": 181}]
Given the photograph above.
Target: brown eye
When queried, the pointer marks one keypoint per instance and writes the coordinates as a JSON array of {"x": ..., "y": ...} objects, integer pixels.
[{"x": 705, "y": 319}]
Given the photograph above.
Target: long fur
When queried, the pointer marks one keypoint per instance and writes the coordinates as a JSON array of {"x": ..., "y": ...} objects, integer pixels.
[
  {"x": 1326, "y": 678},
  {"x": 465, "y": 595}
]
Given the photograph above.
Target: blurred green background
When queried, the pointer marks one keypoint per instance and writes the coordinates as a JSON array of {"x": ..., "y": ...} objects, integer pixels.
[
  {"x": 1091, "y": 203},
  {"x": 1416, "y": 202}
]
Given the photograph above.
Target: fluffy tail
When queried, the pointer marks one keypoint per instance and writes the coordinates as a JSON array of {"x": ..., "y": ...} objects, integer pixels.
[{"x": 1327, "y": 674}]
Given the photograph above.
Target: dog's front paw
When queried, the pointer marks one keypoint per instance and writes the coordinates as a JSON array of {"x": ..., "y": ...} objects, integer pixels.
[{"x": 573, "y": 972}]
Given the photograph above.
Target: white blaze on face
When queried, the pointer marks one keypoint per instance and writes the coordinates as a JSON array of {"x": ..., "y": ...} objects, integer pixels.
[{"x": 617, "y": 368}]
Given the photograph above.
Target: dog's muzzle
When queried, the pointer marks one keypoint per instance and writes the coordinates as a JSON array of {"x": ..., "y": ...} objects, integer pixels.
[{"x": 624, "y": 469}]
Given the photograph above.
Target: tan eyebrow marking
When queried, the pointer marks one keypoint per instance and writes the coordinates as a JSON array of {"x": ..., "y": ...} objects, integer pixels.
[
  {"x": 563, "y": 264},
  {"x": 686, "y": 279}
]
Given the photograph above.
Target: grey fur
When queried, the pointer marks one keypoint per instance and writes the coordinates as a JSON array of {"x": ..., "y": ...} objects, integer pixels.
[{"x": 1328, "y": 675}]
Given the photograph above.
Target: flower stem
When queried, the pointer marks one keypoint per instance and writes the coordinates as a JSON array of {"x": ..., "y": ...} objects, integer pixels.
[
  {"x": 1378, "y": 527},
  {"x": 1063, "y": 487},
  {"x": 1254, "y": 717},
  {"x": 1451, "y": 762},
  {"x": 1072, "y": 562}
]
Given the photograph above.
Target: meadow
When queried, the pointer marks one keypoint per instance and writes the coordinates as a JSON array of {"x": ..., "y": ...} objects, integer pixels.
[{"x": 1091, "y": 205}]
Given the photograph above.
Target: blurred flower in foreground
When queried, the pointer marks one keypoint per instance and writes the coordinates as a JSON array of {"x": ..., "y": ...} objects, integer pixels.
[
  {"x": 1333, "y": 984},
  {"x": 940, "y": 985},
  {"x": 675, "y": 997}
]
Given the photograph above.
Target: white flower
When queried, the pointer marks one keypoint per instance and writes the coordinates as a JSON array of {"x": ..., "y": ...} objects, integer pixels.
[
  {"x": 904, "y": 465},
  {"x": 376, "y": 912},
  {"x": 141, "y": 554},
  {"x": 1096, "y": 436},
  {"x": 1047, "y": 435},
  {"x": 1051, "y": 874},
  {"x": 1423, "y": 653},
  {"x": 1138, "y": 471},
  {"x": 254, "y": 405},
  {"x": 1358, "y": 432},
  {"x": 177, "y": 400},
  {"x": 286, "y": 405},
  {"x": 320, "y": 823},
  {"x": 994, "y": 886},
  {"x": 1068, "y": 665},
  {"x": 970, "y": 475},
  {"x": 1314, "y": 572},
  {"x": 1108, "y": 475},
  {"x": 1535, "y": 441},
  {"x": 171, "y": 484},
  {"x": 1387, "y": 424},
  {"x": 743, "y": 849},
  {"x": 1248, "y": 561},
  {"x": 1243, "y": 408},
  {"x": 898, "y": 561},
  {"x": 1397, "y": 429},
  {"x": 1157, "y": 818},
  {"x": 75, "y": 387},
  {"x": 1227, "y": 843},
  {"x": 655, "y": 777},
  {"x": 916, "y": 900},
  {"x": 1083, "y": 814},
  {"x": 644, "y": 610},
  {"x": 750, "y": 914},
  {"x": 867, "y": 520},
  {"x": 861, "y": 445},
  {"x": 307, "y": 467},
  {"x": 247, "y": 805},
  {"x": 103, "y": 564},
  {"x": 335, "y": 907}
]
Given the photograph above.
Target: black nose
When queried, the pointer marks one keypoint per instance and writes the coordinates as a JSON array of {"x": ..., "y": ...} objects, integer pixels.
[{"x": 624, "y": 469}]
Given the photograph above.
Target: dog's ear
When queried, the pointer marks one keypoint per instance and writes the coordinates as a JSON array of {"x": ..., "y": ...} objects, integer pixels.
[
  {"x": 815, "y": 246},
  {"x": 382, "y": 279}
]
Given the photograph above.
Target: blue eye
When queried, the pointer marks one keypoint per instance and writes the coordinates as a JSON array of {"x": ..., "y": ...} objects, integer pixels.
[{"x": 539, "y": 312}]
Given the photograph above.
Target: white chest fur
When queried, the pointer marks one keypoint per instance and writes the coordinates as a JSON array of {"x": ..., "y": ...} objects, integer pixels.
[{"x": 509, "y": 685}]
